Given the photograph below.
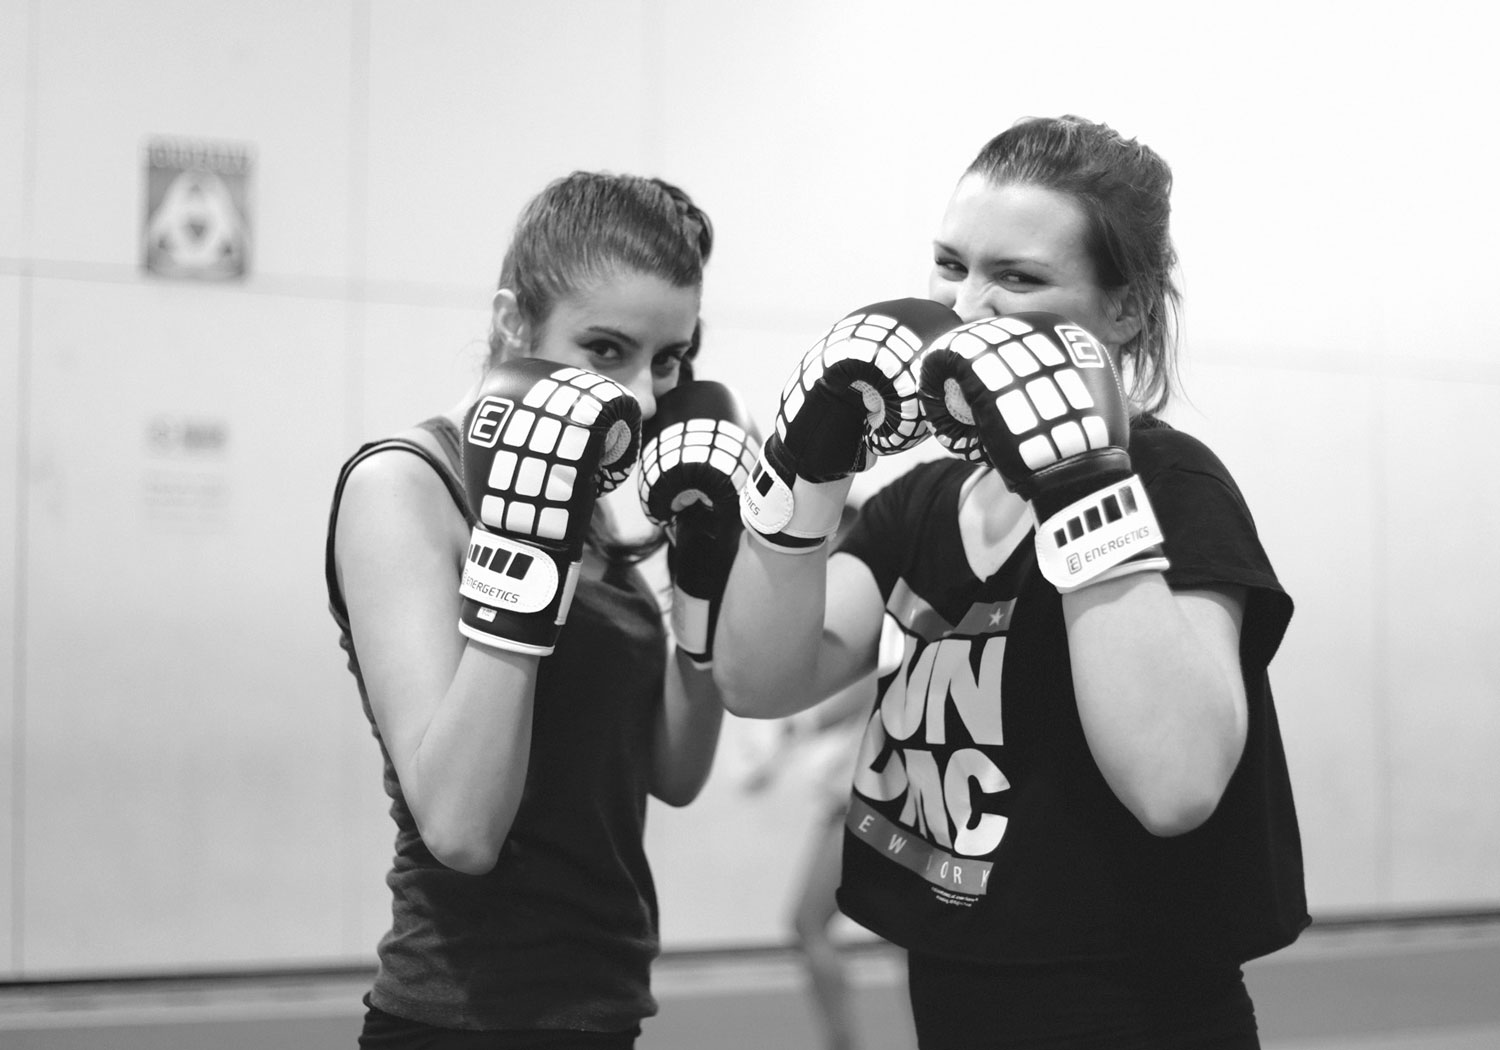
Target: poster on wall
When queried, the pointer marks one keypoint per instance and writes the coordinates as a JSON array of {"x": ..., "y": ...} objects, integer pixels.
[
  {"x": 186, "y": 484},
  {"x": 197, "y": 220}
]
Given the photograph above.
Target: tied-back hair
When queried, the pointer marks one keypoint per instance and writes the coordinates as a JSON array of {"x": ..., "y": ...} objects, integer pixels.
[
  {"x": 588, "y": 227},
  {"x": 1124, "y": 188}
]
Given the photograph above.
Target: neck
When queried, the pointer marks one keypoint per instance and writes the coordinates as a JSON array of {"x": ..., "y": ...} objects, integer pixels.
[{"x": 992, "y": 521}]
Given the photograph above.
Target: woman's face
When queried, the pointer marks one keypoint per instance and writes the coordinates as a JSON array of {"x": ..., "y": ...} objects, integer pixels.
[
  {"x": 631, "y": 327},
  {"x": 1003, "y": 249}
]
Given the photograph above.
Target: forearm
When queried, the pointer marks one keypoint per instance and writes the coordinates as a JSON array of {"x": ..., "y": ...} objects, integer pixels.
[
  {"x": 1159, "y": 694},
  {"x": 464, "y": 779},
  {"x": 687, "y": 732},
  {"x": 852, "y": 397},
  {"x": 770, "y": 631},
  {"x": 851, "y": 702}
]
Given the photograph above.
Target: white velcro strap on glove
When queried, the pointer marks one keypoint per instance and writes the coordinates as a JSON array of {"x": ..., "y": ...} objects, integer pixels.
[
  {"x": 796, "y": 518},
  {"x": 502, "y": 573},
  {"x": 690, "y": 617},
  {"x": 1091, "y": 540}
]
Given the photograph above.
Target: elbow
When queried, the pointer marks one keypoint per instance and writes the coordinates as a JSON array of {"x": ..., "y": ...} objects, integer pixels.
[
  {"x": 678, "y": 790},
  {"x": 677, "y": 795},
  {"x": 762, "y": 704},
  {"x": 731, "y": 688},
  {"x": 751, "y": 698},
  {"x": 469, "y": 852},
  {"x": 740, "y": 705},
  {"x": 733, "y": 694},
  {"x": 467, "y": 860},
  {"x": 1176, "y": 797},
  {"x": 751, "y": 688},
  {"x": 1173, "y": 801},
  {"x": 1176, "y": 813}
]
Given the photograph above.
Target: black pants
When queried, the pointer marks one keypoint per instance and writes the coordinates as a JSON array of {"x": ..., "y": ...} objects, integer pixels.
[
  {"x": 960, "y": 1005},
  {"x": 385, "y": 1031}
]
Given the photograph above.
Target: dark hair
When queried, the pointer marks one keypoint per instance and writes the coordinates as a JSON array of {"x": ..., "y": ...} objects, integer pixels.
[
  {"x": 589, "y": 225},
  {"x": 1124, "y": 188}
]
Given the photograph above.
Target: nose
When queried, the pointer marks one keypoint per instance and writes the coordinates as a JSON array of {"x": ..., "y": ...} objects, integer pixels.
[
  {"x": 970, "y": 303},
  {"x": 640, "y": 386}
]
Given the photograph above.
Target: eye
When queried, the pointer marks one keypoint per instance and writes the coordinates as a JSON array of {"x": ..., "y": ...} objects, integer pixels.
[
  {"x": 949, "y": 267},
  {"x": 666, "y": 364},
  {"x": 1014, "y": 278},
  {"x": 605, "y": 350}
]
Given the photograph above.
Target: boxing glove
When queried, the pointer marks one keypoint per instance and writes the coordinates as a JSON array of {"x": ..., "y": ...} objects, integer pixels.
[
  {"x": 1038, "y": 398},
  {"x": 540, "y": 445},
  {"x": 697, "y": 452},
  {"x": 851, "y": 398}
]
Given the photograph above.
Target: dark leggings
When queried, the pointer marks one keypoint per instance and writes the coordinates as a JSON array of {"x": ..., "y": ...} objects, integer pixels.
[
  {"x": 960, "y": 1005},
  {"x": 385, "y": 1031}
]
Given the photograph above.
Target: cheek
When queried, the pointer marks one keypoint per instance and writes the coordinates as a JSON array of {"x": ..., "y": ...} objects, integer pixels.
[
  {"x": 941, "y": 291},
  {"x": 1094, "y": 315},
  {"x": 662, "y": 386},
  {"x": 639, "y": 381},
  {"x": 550, "y": 347}
]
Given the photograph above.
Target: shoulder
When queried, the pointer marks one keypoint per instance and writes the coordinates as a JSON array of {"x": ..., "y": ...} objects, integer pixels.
[
  {"x": 400, "y": 456},
  {"x": 1210, "y": 534},
  {"x": 1156, "y": 446},
  {"x": 392, "y": 476},
  {"x": 1170, "y": 460},
  {"x": 1185, "y": 478}
]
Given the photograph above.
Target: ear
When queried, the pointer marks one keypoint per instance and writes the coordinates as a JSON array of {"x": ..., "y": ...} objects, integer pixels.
[
  {"x": 511, "y": 335},
  {"x": 1126, "y": 318}
]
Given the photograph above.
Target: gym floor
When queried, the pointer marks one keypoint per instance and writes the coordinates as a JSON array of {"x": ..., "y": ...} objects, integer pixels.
[{"x": 1407, "y": 985}]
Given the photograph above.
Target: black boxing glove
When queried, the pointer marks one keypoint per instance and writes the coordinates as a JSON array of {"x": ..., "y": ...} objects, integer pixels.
[
  {"x": 1038, "y": 398},
  {"x": 697, "y": 453},
  {"x": 541, "y": 444},
  {"x": 852, "y": 397}
]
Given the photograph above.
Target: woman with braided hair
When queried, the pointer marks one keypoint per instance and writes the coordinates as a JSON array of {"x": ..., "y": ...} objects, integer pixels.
[{"x": 514, "y": 666}]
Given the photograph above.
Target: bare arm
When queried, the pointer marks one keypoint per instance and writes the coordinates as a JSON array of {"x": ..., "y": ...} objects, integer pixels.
[
  {"x": 687, "y": 732},
  {"x": 849, "y": 703},
  {"x": 794, "y": 629},
  {"x": 1160, "y": 693},
  {"x": 455, "y": 716},
  {"x": 1156, "y": 674}
]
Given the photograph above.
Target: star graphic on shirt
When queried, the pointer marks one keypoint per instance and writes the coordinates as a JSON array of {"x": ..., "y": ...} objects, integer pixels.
[{"x": 986, "y": 618}]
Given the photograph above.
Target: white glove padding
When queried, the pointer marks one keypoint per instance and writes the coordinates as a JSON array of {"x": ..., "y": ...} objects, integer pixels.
[
  {"x": 698, "y": 451},
  {"x": 852, "y": 397},
  {"x": 1037, "y": 397},
  {"x": 541, "y": 444}
]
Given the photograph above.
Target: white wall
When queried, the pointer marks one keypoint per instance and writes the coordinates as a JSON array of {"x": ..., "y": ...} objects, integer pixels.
[{"x": 190, "y": 783}]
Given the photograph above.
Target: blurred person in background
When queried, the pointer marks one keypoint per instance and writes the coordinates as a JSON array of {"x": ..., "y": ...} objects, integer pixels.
[{"x": 820, "y": 745}]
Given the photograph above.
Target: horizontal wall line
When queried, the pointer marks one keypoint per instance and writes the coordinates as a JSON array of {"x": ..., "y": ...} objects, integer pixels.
[
  {"x": 400, "y": 293},
  {"x": 856, "y": 946}
]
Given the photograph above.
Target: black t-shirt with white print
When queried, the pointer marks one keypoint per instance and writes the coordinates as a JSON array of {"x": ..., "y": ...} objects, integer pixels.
[{"x": 979, "y": 825}]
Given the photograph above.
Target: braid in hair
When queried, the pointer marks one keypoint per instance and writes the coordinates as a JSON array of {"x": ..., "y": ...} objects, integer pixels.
[{"x": 699, "y": 229}]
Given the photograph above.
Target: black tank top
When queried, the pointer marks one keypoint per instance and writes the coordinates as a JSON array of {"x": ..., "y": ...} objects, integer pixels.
[{"x": 561, "y": 934}]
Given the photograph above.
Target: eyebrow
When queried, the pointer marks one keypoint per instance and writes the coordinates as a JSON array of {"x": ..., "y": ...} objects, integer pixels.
[
  {"x": 629, "y": 340},
  {"x": 613, "y": 333},
  {"x": 990, "y": 263}
]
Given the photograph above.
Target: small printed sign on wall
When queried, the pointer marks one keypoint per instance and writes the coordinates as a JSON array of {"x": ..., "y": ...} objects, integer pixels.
[
  {"x": 186, "y": 485},
  {"x": 197, "y": 222}
]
